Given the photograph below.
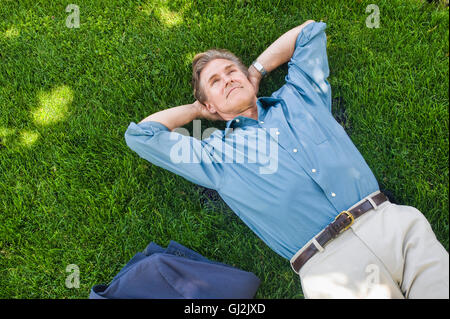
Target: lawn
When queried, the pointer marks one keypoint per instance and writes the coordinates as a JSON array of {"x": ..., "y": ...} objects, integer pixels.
[{"x": 72, "y": 192}]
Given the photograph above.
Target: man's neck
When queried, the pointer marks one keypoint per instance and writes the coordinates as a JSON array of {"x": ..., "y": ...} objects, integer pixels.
[{"x": 250, "y": 112}]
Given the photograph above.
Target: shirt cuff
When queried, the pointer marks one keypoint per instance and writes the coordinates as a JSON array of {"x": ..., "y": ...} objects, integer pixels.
[{"x": 146, "y": 128}]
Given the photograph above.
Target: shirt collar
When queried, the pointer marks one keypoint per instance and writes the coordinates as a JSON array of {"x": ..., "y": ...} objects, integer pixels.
[{"x": 262, "y": 103}]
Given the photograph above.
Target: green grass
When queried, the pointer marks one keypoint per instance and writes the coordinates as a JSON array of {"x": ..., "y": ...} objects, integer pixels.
[{"x": 71, "y": 192}]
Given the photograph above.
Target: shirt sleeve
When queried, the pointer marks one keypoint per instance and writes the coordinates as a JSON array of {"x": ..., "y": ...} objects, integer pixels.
[
  {"x": 183, "y": 155},
  {"x": 308, "y": 68}
]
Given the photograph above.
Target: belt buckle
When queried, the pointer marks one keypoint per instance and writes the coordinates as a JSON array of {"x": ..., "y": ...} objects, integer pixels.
[{"x": 352, "y": 219}]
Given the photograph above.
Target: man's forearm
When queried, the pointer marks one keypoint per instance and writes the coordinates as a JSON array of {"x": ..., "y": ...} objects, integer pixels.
[
  {"x": 280, "y": 51},
  {"x": 175, "y": 116}
]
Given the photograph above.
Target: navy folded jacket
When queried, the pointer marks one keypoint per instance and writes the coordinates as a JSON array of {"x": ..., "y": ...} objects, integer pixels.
[{"x": 177, "y": 272}]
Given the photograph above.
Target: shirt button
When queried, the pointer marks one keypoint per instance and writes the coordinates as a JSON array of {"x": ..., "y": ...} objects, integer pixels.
[
  {"x": 313, "y": 170},
  {"x": 295, "y": 150},
  {"x": 237, "y": 120},
  {"x": 333, "y": 194}
]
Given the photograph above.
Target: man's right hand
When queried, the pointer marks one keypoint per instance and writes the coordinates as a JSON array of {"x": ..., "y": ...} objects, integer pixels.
[{"x": 204, "y": 113}]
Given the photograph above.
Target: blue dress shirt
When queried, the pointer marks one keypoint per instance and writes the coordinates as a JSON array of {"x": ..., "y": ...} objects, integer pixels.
[{"x": 286, "y": 175}]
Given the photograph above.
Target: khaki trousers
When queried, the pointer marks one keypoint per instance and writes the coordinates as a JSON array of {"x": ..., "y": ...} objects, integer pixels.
[{"x": 389, "y": 252}]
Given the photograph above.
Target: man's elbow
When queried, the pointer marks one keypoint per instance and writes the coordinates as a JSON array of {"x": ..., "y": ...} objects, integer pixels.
[
  {"x": 304, "y": 24},
  {"x": 298, "y": 29}
]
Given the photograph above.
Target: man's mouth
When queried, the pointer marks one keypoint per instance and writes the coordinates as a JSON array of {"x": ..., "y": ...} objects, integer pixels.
[{"x": 236, "y": 87}]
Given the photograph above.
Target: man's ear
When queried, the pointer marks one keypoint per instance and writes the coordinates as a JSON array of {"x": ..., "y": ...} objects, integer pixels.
[{"x": 210, "y": 107}]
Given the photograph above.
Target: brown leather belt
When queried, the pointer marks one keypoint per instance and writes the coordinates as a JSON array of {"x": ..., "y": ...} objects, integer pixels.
[{"x": 341, "y": 223}]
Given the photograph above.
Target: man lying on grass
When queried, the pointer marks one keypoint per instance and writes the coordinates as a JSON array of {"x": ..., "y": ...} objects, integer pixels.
[{"x": 291, "y": 173}]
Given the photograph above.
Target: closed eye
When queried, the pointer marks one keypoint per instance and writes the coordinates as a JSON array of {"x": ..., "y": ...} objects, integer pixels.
[{"x": 214, "y": 81}]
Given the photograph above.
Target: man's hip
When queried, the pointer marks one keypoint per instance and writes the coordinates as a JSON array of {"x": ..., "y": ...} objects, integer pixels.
[{"x": 389, "y": 252}]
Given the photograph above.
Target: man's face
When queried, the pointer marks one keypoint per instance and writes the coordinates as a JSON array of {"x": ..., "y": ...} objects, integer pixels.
[{"x": 228, "y": 90}]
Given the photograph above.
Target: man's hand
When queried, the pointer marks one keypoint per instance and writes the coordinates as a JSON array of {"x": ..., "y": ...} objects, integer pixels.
[
  {"x": 254, "y": 76},
  {"x": 204, "y": 113}
]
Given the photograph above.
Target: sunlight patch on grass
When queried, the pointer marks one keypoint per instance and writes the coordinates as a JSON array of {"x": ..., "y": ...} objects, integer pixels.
[
  {"x": 28, "y": 138},
  {"x": 4, "y": 131},
  {"x": 169, "y": 18},
  {"x": 11, "y": 33},
  {"x": 5, "y": 134},
  {"x": 188, "y": 57},
  {"x": 53, "y": 106},
  {"x": 165, "y": 15}
]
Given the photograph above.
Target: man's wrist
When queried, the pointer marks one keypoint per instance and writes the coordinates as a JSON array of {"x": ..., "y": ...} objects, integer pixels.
[
  {"x": 253, "y": 72},
  {"x": 259, "y": 68}
]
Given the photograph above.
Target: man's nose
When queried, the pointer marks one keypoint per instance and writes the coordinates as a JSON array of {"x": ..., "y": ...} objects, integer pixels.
[{"x": 228, "y": 80}]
